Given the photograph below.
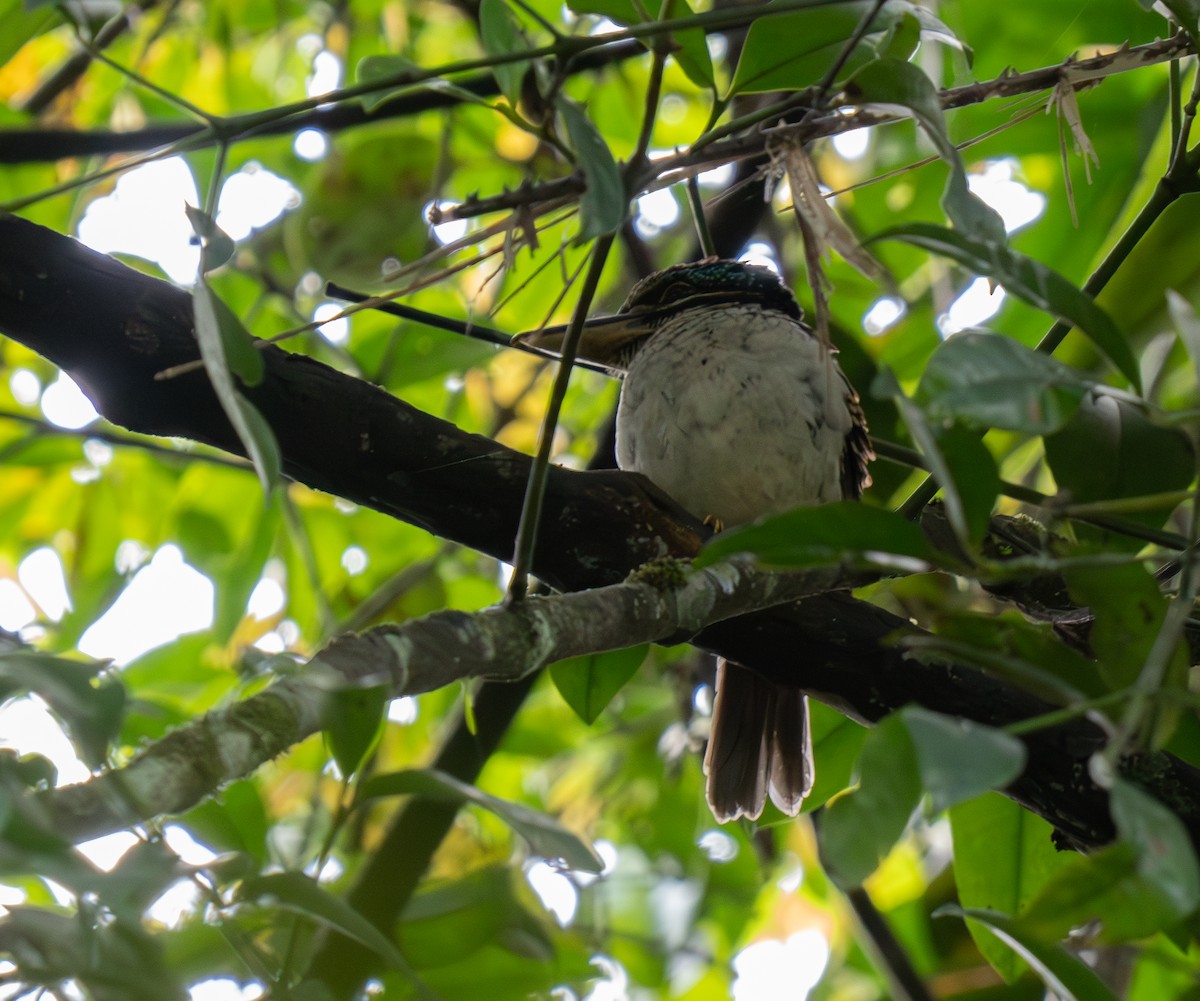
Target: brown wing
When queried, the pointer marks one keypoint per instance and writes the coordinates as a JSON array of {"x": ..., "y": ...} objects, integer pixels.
[{"x": 858, "y": 451}]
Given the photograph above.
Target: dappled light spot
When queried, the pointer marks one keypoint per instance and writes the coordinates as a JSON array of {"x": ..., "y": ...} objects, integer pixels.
[
  {"x": 977, "y": 304},
  {"x": 41, "y": 574},
  {"x": 555, "y": 890},
  {"x": 65, "y": 406},
  {"x": 165, "y": 599},
  {"x": 883, "y": 313},
  {"x": 774, "y": 970},
  {"x": 1017, "y": 204}
]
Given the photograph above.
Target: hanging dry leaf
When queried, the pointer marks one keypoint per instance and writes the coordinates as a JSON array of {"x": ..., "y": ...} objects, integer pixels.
[
  {"x": 1063, "y": 100},
  {"x": 814, "y": 211}
]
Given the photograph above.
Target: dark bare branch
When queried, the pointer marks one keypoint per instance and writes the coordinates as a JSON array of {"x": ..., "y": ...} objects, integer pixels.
[{"x": 113, "y": 329}]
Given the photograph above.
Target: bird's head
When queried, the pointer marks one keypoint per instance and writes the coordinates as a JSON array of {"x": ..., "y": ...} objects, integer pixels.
[{"x": 709, "y": 284}]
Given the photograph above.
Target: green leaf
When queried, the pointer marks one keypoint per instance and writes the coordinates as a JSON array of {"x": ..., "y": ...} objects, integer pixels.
[
  {"x": 795, "y": 50},
  {"x": 622, "y": 12},
  {"x": 935, "y": 29},
  {"x": 897, "y": 86},
  {"x": 394, "y": 75},
  {"x": 256, "y": 434},
  {"x": 354, "y": 719},
  {"x": 140, "y": 877},
  {"x": 1030, "y": 281},
  {"x": 31, "y": 770},
  {"x": 904, "y": 39},
  {"x": 1129, "y": 611},
  {"x": 1187, "y": 326},
  {"x": 960, "y": 759},
  {"x": 1165, "y": 855},
  {"x": 691, "y": 50},
  {"x": 501, "y": 35},
  {"x": 1061, "y": 971},
  {"x": 992, "y": 381},
  {"x": 1162, "y": 971},
  {"x": 603, "y": 204},
  {"x": 837, "y": 744},
  {"x": 235, "y": 821},
  {"x": 242, "y": 571},
  {"x": 240, "y": 347},
  {"x": 104, "y": 960},
  {"x": 299, "y": 893},
  {"x": 449, "y": 920},
  {"x": 1111, "y": 449},
  {"x": 22, "y": 21},
  {"x": 311, "y": 990},
  {"x": 1104, "y": 887},
  {"x": 976, "y": 478},
  {"x": 910, "y": 751},
  {"x": 926, "y": 441},
  {"x": 1027, "y": 654},
  {"x": 216, "y": 246},
  {"x": 546, "y": 836},
  {"x": 588, "y": 683},
  {"x": 91, "y": 709},
  {"x": 210, "y": 316},
  {"x": 825, "y": 535},
  {"x": 860, "y": 827},
  {"x": 1003, "y": 856},
  {"x": 1186, "y": 12}
]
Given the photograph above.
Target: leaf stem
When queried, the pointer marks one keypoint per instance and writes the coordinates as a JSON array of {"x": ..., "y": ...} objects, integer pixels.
[
  {"x": 703, "y": 234},
  {"x": 653, "y": 92},
  {"x": 860, "y": 31},
  {"x": 531, "y": 508}
]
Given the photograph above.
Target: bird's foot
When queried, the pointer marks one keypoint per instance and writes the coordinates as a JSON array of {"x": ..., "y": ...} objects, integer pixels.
[{"x": 715, "y": 523}]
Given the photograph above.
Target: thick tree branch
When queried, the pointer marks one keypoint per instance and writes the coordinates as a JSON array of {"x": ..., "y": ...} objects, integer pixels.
[
  {"x": 504, "y": 643},
  {"x": 113, "y": 329}
]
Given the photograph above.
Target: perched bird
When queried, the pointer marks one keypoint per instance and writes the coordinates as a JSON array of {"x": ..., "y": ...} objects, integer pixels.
[{"x": 734, "y": 407}]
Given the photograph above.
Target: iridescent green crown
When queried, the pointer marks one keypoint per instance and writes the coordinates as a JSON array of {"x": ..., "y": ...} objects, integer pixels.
[{"x": 712, "y": 282}]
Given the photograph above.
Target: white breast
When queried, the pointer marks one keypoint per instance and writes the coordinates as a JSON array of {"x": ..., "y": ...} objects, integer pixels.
[{"x": 736, "y": 412}]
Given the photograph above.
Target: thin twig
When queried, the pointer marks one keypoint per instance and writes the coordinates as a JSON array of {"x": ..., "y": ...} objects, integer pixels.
[
  {"x": 860, "y": 31},
  {"x": 699, "y": 219},
  {"x": 463, "y": 328},
  {"x": 75, "y": 65},
  {"x": 906, "y": 984},
  {"x": 748, "y": 143},
  {"x": 45, "y": 428},
  {"x": 535, "y": 491}
]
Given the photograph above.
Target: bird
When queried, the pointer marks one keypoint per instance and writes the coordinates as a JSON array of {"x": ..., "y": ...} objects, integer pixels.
[{"x": 733, "y": 405}]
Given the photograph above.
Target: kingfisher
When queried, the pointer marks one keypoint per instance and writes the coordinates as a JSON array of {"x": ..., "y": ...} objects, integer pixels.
[{"x": 732, "y": 405}]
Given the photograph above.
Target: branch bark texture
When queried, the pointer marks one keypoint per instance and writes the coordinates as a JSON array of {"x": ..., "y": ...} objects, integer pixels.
[
  {"x": 114, "y": 329},
  {"x": 499, "y": 644}
]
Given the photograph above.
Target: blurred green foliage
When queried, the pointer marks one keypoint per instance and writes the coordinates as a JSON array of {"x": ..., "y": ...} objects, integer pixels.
[{"x": 680, "y": 899}]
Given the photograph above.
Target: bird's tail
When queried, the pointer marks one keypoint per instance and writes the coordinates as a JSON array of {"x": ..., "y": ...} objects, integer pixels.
[{"x": 759, "y": 745}]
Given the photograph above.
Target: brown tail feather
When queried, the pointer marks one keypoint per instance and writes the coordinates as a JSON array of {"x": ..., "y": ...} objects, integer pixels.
[
  {"x": 759, "y": 742},
  {"x": 790, "y": 772}
]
